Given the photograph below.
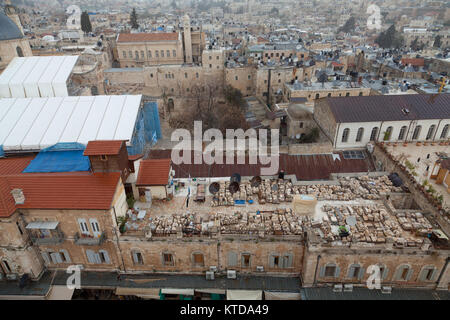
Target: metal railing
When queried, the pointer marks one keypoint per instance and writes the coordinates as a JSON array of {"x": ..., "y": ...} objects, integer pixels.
[{"x": 89, "y": 241}]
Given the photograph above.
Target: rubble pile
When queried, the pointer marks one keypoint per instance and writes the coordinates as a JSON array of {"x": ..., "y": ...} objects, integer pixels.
[
  {"x": 278, "y": 222},
  {"x": 269, "y": 191},
  {"x": 373, "y": 225},
  {"x": 350, "y": 189}
]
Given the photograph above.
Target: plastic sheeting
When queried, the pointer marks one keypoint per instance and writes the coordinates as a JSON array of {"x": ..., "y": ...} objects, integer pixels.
[
  {"x": 37, "y": 77},
  {"x": 62, "y": 157},
  {"x": 147, "y": 130},
  {"x": 37, "y": 123},
  {"x": 244, "y": 294},
  {"x": 2, "y": 153}
]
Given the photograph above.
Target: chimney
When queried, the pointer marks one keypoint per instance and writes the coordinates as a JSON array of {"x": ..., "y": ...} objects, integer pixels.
[{"x": 18, "y": 195}]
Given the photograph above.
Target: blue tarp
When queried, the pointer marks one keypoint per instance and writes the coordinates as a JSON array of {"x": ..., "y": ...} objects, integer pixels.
[
  {"x": 147, "y": 129},
  {"x": 62, "y": 157},
  {"x": 2, "y": 153}
]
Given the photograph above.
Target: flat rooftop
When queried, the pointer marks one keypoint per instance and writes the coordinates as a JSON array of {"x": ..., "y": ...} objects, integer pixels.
[{"x": 271, "y": 210}]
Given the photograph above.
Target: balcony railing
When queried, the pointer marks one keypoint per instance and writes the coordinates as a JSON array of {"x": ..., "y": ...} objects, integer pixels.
[
  {"x": 54, "y": 239},
  {"x": 89, "y": 241}
]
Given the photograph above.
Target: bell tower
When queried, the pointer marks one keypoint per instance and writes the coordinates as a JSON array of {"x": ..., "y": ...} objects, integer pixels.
[
  {"x": 187, "y": 39},
  {"x": 11, "y": 12}
]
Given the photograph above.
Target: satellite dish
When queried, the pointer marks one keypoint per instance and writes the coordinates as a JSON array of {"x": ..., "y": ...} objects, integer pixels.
[
  {"x": 297, "y": 136},
  {"x": 351, "y": 221},
  {"x": 256, "y": 181},
  {"x": 214, "y": 187},
  {"x": 236, "y": 177},
  {"x": 234, "y": 187}
]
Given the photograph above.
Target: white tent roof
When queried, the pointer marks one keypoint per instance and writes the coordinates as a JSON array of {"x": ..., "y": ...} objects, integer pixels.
[
  {"x": 37, "y": 123},
  {"x": 31, "y": 77}
]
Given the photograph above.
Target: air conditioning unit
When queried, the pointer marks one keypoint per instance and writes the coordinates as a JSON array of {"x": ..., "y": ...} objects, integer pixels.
[
  {"x": 348, "y": 288},
  {"x": 387, "y": 290},
  {"x": 11, "y": 276},
  {"x": 231, "y": 274},
  {"x": 337, "y": 288},
  {"x": 260, "y": 268},
  {"x": 209, "y": 275},
  {"x": 213, "y": 268}
]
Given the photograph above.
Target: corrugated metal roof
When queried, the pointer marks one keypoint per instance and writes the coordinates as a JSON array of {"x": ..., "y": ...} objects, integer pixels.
[
  {"x": 389, "y": 107},
  {"x": 305, "y": 167}
]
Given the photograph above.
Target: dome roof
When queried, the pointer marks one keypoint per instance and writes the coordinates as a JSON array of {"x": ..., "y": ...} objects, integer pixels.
[
  {"x": 299, "y": 111},
  {"x": 8, "y": 29}
]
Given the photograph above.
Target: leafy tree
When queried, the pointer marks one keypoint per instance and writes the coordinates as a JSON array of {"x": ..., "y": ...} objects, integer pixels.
[
  {"x": 349, "y": 25},
  {"x": 437, "y": 41},
  {"x": 133, "y": 19},
  {"x": 85, "y": 22},
  {"x": 390, "y": 38},
  {"x": 274, "y": 11}
]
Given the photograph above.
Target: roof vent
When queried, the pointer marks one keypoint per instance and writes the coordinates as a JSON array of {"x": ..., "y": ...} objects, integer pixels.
[
  {"x": 405, "y": 111},
  {"x": 18, "y": 195}
]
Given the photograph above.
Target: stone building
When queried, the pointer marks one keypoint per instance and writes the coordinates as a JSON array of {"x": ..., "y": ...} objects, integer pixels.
[
  {"x": 12, "y": 42},
  {"x": 354, "y": 122},
  {"x": 147, "y": 49}
]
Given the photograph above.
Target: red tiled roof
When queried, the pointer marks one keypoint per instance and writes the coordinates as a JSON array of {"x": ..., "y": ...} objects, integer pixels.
[
  {"x": 14, "y": 165},
  {"x": 337, "y": 64},
  {"x": 103, "y": 147},
  {"x": 88, "y": 192},
  {"x": 147, "y": 37},
  {"x": 416, "y": 62},
  {"x": 7, "y": 206},
  {"x": 154, "y": 172}
]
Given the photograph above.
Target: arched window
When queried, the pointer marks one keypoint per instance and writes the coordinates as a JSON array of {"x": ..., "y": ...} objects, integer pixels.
[
  {"x": 373, "y": 134},
  {"x": 401, "y": 135},
  {"x": 149, "y": 54},
  {"x": 347, "y": 94},
  {"x": 137, "y": 257},
  {"x": 198, "y": 259},
  {"x": 360, "y": 134},
  {"x": 387, "y": 134},
  {"x": 360, "y": 94},
  {"x": 19, "y": 51},
  {"x": 444, "y": 132},
  {"x": 168, "y": 259},
  {"x": 345, "y": 134},
  {"x": 416, "y": 132},
  {"x": 94, "y": 91},
  {"x": 430, "y": 132},
  {"x": 355, "y": 272},
  {"x": 170, "y": 104},
  {"x": 329, "y": 94},
  {"x": 136, "y": 53},
  {"x": 403, "y": 273},
  {"x": 427, "y": 273},
  {"x": 330, "y": 270},
  {"x": 317, "y": 96}
]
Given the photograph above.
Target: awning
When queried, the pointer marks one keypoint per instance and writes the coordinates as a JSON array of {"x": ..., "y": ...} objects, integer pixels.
[
  {"x": 49, "y": 225},
  {"x": 244, "y": 294},
  {"x": 273, "y": 295},
  {"x": 211, "y": 290},
  {"x": 60, "y": 293},
  {"x": 185, "y": 292},
  {"x": 144, "y": 293}
]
